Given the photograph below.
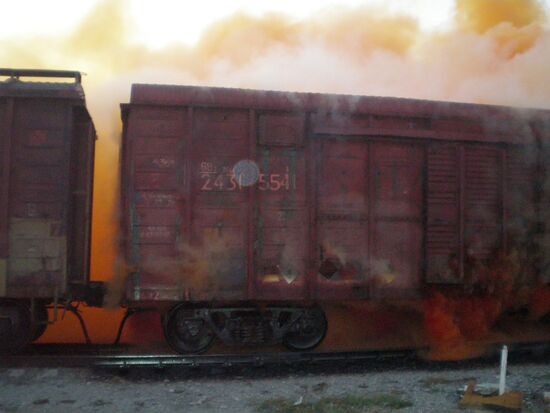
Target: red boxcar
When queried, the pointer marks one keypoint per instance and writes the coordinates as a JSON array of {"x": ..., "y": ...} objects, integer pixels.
[
  {"x": 46, "y": 149},
  {"x": 290, "y": 199}
]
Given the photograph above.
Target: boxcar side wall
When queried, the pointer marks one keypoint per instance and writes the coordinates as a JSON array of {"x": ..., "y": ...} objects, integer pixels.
[
  {"x": 235, "y": 204},
  {"x": 45, "y": 207},
  {"x": 152, "y": 184},
  {"x": 37, "y": 198},
  {"x": 79, "y": 207},
  {"x": 6, "y": 118}
]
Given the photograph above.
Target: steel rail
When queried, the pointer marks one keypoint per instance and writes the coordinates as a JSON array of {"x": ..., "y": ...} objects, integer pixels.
[
  {"x": 118, "y": 357},
  {"x": 59, "y": 356},
  {"x": 244, "y": 359}
]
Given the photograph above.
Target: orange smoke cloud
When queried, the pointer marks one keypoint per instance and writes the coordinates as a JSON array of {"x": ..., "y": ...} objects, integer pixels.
[
  {"x": 482, "y": 15},
  {"x": 365, "y": 30},
  {"x": 243, "y": 38},
  {"x": 496, "y": 52},
  {"x": 515, "y": 26},
  {"x": 454, "y": 326},
  {"x": 104, "y": 30}
]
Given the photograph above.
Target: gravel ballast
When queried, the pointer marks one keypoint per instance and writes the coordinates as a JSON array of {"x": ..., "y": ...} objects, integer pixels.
[{"x": 420, "y": 389}]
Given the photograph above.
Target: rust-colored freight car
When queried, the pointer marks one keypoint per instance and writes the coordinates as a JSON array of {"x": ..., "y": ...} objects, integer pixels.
[
  {"x": 244, "y": 211},
  {"x": 46, "y": 149}
]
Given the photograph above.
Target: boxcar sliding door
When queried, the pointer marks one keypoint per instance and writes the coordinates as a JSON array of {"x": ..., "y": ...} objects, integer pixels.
[
  {"x": 369, "y": 218},
  {"x": 397, "y": 219},
  {"x": 343, "y": 210}
]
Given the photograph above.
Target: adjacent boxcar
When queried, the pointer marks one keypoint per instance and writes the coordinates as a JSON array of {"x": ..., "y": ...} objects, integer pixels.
[
  {"x": 46, "y": 149},
  {"x": 245, "y": 210}
]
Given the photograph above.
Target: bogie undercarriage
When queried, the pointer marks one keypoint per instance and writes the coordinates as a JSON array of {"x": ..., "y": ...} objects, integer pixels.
[{"x": 193, "y": 329}]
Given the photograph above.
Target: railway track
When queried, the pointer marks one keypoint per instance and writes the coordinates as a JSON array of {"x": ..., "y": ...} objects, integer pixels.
[
  {"x": 117, "y": 357},
  {"x": 123, "y": 357}
]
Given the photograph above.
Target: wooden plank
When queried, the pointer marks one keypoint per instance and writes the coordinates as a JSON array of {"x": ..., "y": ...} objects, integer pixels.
[{"x": 511, "y": 401}]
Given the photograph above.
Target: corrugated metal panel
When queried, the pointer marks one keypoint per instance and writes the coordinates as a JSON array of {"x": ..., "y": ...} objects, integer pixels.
[
  {"x": 465, "y": 210},
  {"x": 482, "y": 201},
  {"x": 519, "y": 185},
  {"x": 443, "y": 207}
]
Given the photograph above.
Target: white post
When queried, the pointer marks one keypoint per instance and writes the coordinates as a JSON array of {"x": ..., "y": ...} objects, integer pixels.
[{"x": 503, "y": 363}]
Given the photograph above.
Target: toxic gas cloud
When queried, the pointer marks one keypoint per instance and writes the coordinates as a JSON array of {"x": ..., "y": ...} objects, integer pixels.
[{"x": 494, "y": 52}]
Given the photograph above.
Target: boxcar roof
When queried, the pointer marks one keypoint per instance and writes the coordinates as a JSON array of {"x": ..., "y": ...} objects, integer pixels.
[
  {"x": 58, "y": 90},
  {"x": 274, "y": 100}
]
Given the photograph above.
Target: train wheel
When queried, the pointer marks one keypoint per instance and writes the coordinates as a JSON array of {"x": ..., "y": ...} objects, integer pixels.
[
  {"x": 308, "y": 331},
  {"x": 187, "y": 332},
  {"x": 16, "y": 330}
]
